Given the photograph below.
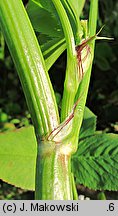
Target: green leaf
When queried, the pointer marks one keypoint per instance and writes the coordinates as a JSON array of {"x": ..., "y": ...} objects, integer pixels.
[
  {"x": 50, "y": 60},
  {"x": 88, "y": 127},
  {"x": 18, "y": 157},
  {"x": 95, "y": 165},
  {"x": 52, "y": 50},
  {"x": 41, "y": 12},
  {"x": 50, "y": 36}
]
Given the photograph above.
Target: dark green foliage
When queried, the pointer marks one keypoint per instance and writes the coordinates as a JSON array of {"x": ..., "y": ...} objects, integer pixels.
[
  {"x": 39, "y": 11},
  {"x": 49, "y": 35}
]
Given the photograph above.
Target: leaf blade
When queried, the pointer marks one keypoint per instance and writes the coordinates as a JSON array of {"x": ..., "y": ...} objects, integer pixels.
[
  {"x": 97, "y": 169},
  {"x": 18, "y": 157},
  {"x": 88, "y": 127}
]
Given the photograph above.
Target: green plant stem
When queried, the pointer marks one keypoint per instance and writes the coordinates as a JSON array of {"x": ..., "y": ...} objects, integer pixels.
[
  {"x": 75, "y": 194},
  {"x": 68, "y": 9},
  {"x": 83, "y": 88},
  {"x": 53, "y": 172},
  {"x": 93, "y": 14},
  {"x": 71, "y": 79},
  {"x": 53, "y": 180},
  {"x": 65, "y": 23},
  {"x": 77, "y": 14},
  {"x": 30, "y": 65},
  {"x": 53, "y": 169}
]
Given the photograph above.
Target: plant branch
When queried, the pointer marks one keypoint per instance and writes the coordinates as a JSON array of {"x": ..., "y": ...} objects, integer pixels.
[
  {"x": 71, "y": 79},
  {"x": 84, "y": 85}
]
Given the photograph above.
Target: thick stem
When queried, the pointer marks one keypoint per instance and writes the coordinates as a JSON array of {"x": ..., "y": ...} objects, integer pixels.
[
  {"x": 53, "y": 176},
  {"x": 30, "y": 65}
]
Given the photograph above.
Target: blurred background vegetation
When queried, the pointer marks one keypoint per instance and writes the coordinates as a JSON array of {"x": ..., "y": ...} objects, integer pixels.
[{"x": 102, "y": 97}]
